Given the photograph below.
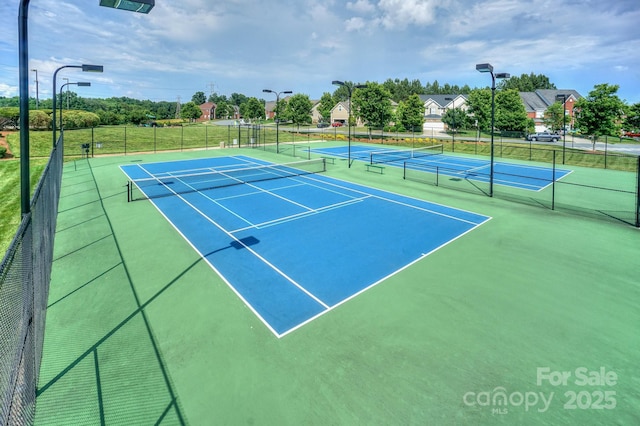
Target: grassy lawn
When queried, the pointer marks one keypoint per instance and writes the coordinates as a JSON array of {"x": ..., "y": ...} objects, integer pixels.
[{"x": 123, "y": 140}]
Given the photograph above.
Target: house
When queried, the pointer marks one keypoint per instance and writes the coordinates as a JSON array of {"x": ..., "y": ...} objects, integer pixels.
[
  {"x": 270, "y": 107},
  {"x": 536, "y": 104},
  {"x": 208, "y": 111},
  {"x": 340, "y": 113},
  {"x": 436, "y": 105},
  {"x": 315, "y": 114}
]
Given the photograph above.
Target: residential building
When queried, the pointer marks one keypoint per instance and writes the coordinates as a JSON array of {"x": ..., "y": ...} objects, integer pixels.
[
  {"x": 434, "y": 108},
  {"x": 536, "y": 104},
  {"x": 208, "y": 111}
]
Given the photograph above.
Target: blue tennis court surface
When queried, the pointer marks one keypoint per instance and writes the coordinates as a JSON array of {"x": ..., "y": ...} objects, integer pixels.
[
  {"x": 294, "y": 248},
  {"x": 534, "y": 178}
]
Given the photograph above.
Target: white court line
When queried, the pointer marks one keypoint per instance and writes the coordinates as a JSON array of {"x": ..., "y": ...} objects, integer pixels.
[
  {"x": 300, "y": 215},
  {"x": 272, "y": 266},
  {"x": 401, "y": 203}
]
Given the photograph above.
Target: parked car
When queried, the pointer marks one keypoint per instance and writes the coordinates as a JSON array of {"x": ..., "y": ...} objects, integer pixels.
[
  {"x": 336, "y": 124},
  {"x": 544, "y": 137},
  {"x": 321, "y": 125}
]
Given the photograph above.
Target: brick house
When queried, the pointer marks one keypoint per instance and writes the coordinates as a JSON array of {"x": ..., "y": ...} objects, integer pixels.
[
  {"x": 536, "y": 103},
  {"x": 208, "y": 111}
]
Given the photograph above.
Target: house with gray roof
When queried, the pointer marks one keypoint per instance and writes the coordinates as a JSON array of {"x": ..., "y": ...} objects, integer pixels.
[
  {"x": 536, "y": 104},
  {"x": 434, "y": 108}
]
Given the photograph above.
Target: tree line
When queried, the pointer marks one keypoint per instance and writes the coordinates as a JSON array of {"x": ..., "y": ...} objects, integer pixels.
[{"x": 393, "y": 104}]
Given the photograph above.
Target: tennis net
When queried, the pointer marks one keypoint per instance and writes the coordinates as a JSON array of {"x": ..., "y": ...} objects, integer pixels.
[
  {"x": 163, "y": 186},
  {"x": 387, "y": 156}
]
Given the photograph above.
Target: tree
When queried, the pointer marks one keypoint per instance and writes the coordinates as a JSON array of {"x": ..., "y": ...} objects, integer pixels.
[
  {"x": 299, "y": 109},
  {"x": 479, "y": 101},
  {"x": 410, "y": 113},
  {"x": 631, "y": 121},
  {"x": 455, "y": 118},
  {"x": 510, "y": 114},
  {"x": 554, "y": 117},
  {"x": 280, "y": 110},
  {"x": 326, "y": 105},
  {"x": 600, "y": 112},
  {"x": 526, "y": 83},
  {"x": 39, "y": 119},
  {"x": 190, "y": 111},
  {"x": 198, "y": 98},
  {"x": 9, "y": 116},
  {"x": 238, "y": 99},
  {"x": 223, "y": 109},
  {"x": 252, "y": 109},
  {"x": 372, "y": 104}
]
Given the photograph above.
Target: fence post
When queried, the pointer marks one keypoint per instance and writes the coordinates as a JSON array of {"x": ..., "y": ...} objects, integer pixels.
[
  {"x": 638, "y": 194},
  {"x": 553, "y": 182}
]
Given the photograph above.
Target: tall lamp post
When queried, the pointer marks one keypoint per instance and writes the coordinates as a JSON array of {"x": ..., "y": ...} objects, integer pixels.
[
  {"x": 453, "y": 134},
  {"x": 85, "y": 68},
  {"x": 350, "y": 88},
  {"x": 286, "y": 92},
  {"x": 79, "y": 84},
  {"x": 563, "y": 97},
  {"x": 37, "y": 89},
  {"x": 142, "y": 6},
  {"x": 489, "y": 68}
]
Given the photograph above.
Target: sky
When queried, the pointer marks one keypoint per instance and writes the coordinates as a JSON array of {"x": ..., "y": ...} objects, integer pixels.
[{"x": 245, "y": 46}]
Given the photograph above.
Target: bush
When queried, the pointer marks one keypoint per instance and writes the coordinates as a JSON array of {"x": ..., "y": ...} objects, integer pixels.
[{"x": 3, "y": 151}]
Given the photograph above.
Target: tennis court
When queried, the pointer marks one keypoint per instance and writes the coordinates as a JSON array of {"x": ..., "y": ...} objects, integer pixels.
[
  {"x": 292, "y": 243},
  {"x": 141, "y": 330},
  {"x": 431, "y": 159}
]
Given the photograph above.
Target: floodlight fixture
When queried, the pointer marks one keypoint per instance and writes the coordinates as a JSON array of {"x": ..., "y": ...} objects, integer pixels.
[
  {"x": 484, "y": 67},
  {"x": 141, "y": 6},
  {"x": 92, "y": 68}
]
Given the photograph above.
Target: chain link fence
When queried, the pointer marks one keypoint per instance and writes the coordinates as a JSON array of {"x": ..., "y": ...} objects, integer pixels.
[{"x": 25, "y": 274}]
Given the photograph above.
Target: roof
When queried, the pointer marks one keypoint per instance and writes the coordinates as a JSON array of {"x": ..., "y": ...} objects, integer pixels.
[
  {"x": 542, "y": 98},
  {"x": 441, "y": 99}
]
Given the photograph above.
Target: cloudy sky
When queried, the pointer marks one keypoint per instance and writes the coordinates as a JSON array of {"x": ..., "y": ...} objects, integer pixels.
[{"x": 245, "y": 46}]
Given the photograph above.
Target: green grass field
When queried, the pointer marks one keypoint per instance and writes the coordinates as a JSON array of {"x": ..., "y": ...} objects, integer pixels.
[{"x": 140, "y": 331}]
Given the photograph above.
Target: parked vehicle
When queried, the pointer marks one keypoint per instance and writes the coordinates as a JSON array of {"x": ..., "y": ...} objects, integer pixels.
[
  {"x": 544, "y": 137},
  {"x": 336, "y": 124},
  {"x": 321, "y": 125}
]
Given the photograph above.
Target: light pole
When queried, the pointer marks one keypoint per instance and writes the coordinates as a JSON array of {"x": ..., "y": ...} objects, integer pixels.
[
  {"x": 489, "y": 68},
  {"x": 563, "y": 97},
  {"x": 67, "y": 96},
  {"x": 37, "y": 89},
  {"x": 453, "y": 134},
  {"x": 143, "y": 6},
  {"x": 350, "y": 88},
  {"x": 85, "y": 68},
  {"x": 79, "y": 84},
  {"x": 286, "y": 92}
]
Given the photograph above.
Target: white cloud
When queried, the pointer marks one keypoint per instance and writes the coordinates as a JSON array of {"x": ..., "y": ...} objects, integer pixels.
[
  {"x": 361, "y": 6},
  {"x": 8, "y": 91},
  {"x": 355, "y": 24},
  {"x": 397, "y": 14},
  {"x": 241, "y": 45}
]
